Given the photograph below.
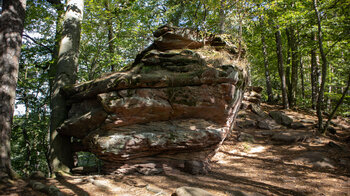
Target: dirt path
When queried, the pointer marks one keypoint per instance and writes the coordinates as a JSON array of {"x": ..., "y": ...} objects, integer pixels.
[{"x": 316, "y": 165}]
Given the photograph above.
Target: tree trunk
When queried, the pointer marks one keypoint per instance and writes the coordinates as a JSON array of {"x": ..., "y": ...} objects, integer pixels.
[
  {"x": 11, "y": 29},
  {"x": 292, "y": 76},
  {"x": 289, "y": 85},
  {"x": 222, "y": 16},
  {"x": 24, "y": 128},
  {"x": 302, "y": 76},
  {"x": 110, "y": 38},
  {"x": 52, "y": 71},
  {"x": 295, "y": 66},
  {"x": 240, "y": 31},
  {"x": 314, "y": 75},
  {"x": 281, "y": 67},
  {"x": 324, "y": 70},
  {"x": 61, "y": 154},
  {"x": 240, "y": 27},
  {"x": 329, "y": 97},
  {"x": 266, "y": 66}
]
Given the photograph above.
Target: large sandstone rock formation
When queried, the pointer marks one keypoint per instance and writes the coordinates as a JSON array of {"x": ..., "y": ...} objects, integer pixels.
[{"x": 173, "y": 106}]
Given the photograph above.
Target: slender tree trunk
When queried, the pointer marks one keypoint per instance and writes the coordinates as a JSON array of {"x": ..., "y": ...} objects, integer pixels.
[
  {"x": 110, "y": 37},
  {"x": 314, "y": 75},
  {"x": 302, "y": 76},
  {"x": 222, "y": 16},
  {"x": 24, "y": 128},
  {"x": 240, "y": 31},
  {"x": 295, "y": 66},
  {"x": 324, "y": 70},
  {"x": 26, "y": 139},
  {"x": 61, "y": 155},
  {"x": 11, "y": 29},
  {"x": 281, "y": 67},
  {"x": 266, "y": 65},
  {"x": 289, "y": 85},
  {"x": 240, "y": 28},
  {"x": 292, "y": 66},
  {"x": 329, "y": 98}
]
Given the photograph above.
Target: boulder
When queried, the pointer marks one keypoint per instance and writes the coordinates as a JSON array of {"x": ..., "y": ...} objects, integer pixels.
[
  {"x": 246, "y": 123},
  {"x": 297, "y": 125},
  {"x": 289, "y": 137},
  {"x": 174, "y": 105},
  {"x": 257, "y": 110},
  {"x": 264, "y": 124},
  {"x": 281, "y": 118}
]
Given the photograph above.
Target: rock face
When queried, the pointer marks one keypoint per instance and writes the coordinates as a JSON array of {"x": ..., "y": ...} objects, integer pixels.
[{"x": 174, "y": 105}]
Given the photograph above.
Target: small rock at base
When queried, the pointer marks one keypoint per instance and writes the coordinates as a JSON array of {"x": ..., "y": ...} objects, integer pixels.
[
  {"x": 37, "y": 175},
  {"x": 196, "y": 167},
  {"x": 297, "y": 125},
  {"x": 191, "y": 191},
  {"x": 264, "y": 125}
]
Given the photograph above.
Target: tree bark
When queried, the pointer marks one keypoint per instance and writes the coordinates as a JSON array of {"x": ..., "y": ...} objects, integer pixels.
[
  {"x": 314, "y": 74},
  {"x": 289, "y": 85},
  {"x": 302, "y": 76},
  {"x": 292, "y": 66},
  {"x": 240, "y": 28},
  {"x": 329, "y": 97},
  {"x": 61, "y": 154},
  {"x": 52, "y": 71},
  {"x": 295, "y": 66},
  {"x": 110, "y": 37},
  {"x": 11, "y": 30},
  {"x": 281, "y": 67},
  {"x": 222, "y": 16},
  {"x": 324, "y": 70},
  {"x": 266, "y": 65}
]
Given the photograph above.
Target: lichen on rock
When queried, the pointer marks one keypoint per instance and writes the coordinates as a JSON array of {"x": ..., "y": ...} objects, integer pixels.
[{"x": 175, "y": 104}]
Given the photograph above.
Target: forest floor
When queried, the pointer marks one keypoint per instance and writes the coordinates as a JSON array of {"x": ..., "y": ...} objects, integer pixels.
[{"x": 315, "y": 165}]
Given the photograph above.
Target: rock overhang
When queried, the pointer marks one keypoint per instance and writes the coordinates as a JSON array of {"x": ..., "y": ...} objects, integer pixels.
[{"x": 179, "y": 103}]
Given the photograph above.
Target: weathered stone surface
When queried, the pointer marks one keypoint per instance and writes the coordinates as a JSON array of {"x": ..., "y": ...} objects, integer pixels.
[
  {"x": 281, "y": 118},
  {"x": 140, "y": 140},
  {"x": 264, "y": 125},
  {"x": 289, "y": 137},
  {"x": 297, "y": 125},
  {"x": 257, "y": 110},
  {"x": 83, "y": 123},
  {"x": 196, "y": 167},
  {"x": 317, "y": 159},
  {"x": 175, "y": 105},
  {"x": 246, "y": 124}
]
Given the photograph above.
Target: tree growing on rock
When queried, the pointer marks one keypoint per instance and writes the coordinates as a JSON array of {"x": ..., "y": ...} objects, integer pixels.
[{"x": 61, "y": 154}]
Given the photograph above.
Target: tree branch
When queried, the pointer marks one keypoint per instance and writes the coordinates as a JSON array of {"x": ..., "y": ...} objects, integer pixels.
[{"x": 33, "y": 40}]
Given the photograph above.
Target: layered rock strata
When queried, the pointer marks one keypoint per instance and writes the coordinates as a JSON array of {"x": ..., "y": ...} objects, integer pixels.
[{"x": 174, "y": 106}]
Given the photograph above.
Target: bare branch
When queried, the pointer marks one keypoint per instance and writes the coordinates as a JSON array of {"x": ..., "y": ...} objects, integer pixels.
[{"x": 33, "y": 40}]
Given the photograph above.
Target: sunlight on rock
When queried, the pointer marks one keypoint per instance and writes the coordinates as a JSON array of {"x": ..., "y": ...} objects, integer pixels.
[
  {"x": 257, "y": 149},
  {"x": 234, "y": 151}
]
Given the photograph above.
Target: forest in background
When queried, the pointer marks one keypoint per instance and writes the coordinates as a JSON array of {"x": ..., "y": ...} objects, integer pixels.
[{"x": 298, "y": 52}]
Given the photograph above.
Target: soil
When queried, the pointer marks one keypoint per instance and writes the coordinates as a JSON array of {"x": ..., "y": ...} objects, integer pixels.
[{"x": 318, "y": 165}]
